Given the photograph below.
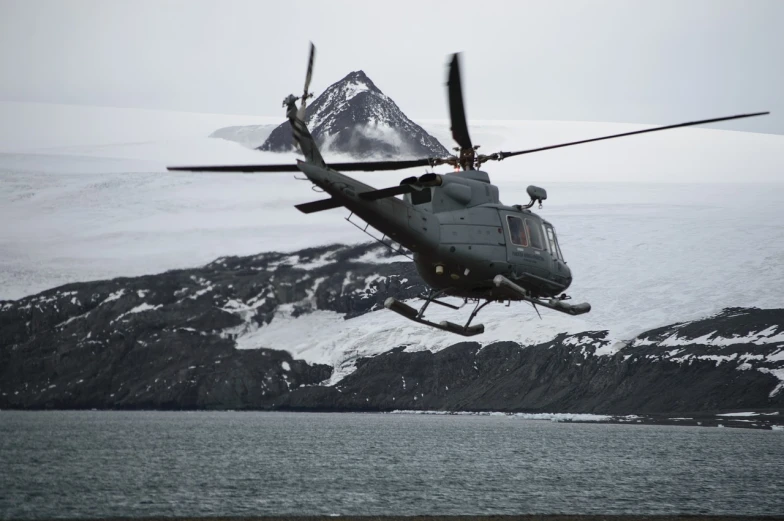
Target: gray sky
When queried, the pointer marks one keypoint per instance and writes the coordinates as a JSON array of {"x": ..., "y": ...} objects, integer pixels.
[{"x": 657, "y": 61}]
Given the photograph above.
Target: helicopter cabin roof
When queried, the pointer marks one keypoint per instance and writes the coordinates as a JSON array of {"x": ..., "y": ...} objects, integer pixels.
[
  {"x": 476, "y": 175},
  {"x": 519, "y": 209}
]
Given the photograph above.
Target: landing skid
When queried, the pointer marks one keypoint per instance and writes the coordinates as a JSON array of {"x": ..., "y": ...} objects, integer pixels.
[
  {"x": 556, "y": 303},
  {"x": 514, "y": 291},
  {"x": 410, "y": 313}
]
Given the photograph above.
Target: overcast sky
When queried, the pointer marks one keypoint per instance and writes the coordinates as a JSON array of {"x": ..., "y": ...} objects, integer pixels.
[{"x": 658, "y": 61}]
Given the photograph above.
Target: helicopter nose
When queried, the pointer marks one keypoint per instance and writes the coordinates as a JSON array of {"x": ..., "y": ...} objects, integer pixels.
[{"x": 567, "y": 276}]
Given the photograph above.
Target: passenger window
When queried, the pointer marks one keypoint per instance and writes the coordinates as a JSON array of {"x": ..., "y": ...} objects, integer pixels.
[
  {"x": 516, "y": 231},
  {"x": 534, "y": 234}
]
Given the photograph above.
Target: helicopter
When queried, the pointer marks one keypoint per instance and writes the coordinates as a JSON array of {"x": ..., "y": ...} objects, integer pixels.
[{"x": 464, "y": 241}]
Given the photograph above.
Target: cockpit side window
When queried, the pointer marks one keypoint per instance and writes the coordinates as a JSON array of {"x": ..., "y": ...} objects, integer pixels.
[
  {"x": 516, "y": 231},
  {"x": 560, "y": 255},
  {"x": 534, "y": 234},
  {"x": 553, "y": 242}
]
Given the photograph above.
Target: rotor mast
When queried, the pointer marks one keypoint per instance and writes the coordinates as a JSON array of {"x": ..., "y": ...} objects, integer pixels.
[{"x": 466, "y": 151}]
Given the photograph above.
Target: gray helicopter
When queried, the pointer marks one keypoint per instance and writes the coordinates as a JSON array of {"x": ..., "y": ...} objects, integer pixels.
[{"x": 464, "y": 241}]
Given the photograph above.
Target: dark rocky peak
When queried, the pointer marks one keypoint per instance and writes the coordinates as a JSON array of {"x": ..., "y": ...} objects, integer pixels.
[
  {"x": 359, "y": 77},
  {"x": 353, "y": 116}
]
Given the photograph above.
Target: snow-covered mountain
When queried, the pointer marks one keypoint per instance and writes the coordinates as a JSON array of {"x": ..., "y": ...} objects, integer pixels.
[{"x": 354, "y": 117}]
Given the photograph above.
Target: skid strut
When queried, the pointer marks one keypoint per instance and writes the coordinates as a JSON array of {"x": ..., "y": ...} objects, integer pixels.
[
  {"x": 404, "y": 310},
  {"x": 512, "y": 290}
]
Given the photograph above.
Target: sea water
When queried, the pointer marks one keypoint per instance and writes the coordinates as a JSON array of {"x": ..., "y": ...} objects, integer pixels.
[{"x": 134, "y": 464}]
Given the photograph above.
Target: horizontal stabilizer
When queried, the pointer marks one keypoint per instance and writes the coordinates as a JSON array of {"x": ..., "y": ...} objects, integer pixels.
[
  {"x": 392, "y": 191},
  {"x": 318, "y": 206}
]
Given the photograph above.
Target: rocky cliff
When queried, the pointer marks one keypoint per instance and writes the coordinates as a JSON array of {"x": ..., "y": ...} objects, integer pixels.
[{"x": 192, "y": 339}]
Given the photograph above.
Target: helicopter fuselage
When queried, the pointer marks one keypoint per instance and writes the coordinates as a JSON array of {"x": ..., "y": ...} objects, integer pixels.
[
  {"x": 471, "y": 253},
  {"x": 461, "y": 235}
]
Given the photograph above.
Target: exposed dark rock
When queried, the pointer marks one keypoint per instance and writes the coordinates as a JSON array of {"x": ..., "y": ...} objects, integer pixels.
[
  {"x": 166, "y": 341},
  {"x": 354, "y": 117},
  {"x": 550, "y": 377}
]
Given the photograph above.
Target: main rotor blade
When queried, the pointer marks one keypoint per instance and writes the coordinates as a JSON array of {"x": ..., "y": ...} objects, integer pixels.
[
  {"x": 235, "y": 168},
  {"x": 372, "y": 166},
  {"x": 367, "y": 166},
  {"x": 456, "y": 108},
  {"x": 502, "y": 155}
]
